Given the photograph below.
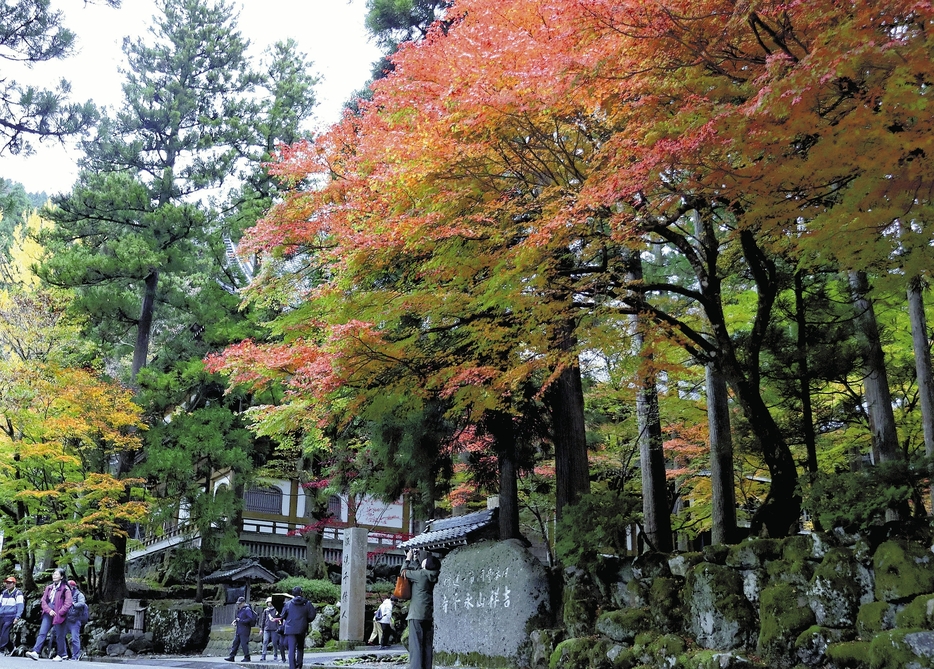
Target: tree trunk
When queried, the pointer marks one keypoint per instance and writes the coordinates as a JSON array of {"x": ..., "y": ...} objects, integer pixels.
[
  {"x": 500, "y": 426},
  {"x": 565, "y": 399},
  {"x": 804, "y": 376},
  {"x": 144, "y": 327},
  {"x": 922, "y": 350},
  {"x": 656, "y": 509},
  {"x": 876, "y": 383},
  {"x": 723, "y": 503},
  {"x": 315, "y": 566}
]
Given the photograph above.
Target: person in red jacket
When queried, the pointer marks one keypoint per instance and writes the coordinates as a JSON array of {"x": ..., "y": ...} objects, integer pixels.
[{"x": 56, "y": 600}]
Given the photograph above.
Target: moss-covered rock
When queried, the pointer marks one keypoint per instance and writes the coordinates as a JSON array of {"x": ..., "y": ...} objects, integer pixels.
[
  {"x": 650, "y": 566},
  {"x": 903, "y": 570},
  {"x": 797, "y": 572},
  {"x": 178, "y": 626},
  {"x": 571, "y": 653},
  {"x": 716, "y": 554},
  {"x": 902, "y": 649},
  {"x": 579, "y": 603},
  {"x": 873, "y": 618},
  {"x": 834, "y": 591},
  {"x": 849, "y": 655},
  {"x": 682, "y": 563},
  {"x": 754, "y": 580},
  {"x": 715, "y": 659},
  {"x": 811, "y": 645},
  {"x": 753, "y": 553},
  {"x": 783, "y": 615},
  {"x": 665, "y": 605},
  {"x": 919, "y": 614},
  {"x": 796, "y": 548},
  {"x": 665, "y": 649},
  {"x": 717, "y": 614},
  {"x": 543, "y": 644},
  {"x": 623, "y": 626}
]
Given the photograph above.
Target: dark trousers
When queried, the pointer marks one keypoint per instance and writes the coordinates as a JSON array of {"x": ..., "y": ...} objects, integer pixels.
[
  {"x": 44, "y": 628},
  {"x": 6, "y": 626},
  {"x": 385, "y": 637},
  {"x": 421, "y": 644},
  {"x": 296, "y": 650},
  {"x": 242, "y": 640},
  {"x": 279, "y": 645},
  {"x": 74, "y": 629}
]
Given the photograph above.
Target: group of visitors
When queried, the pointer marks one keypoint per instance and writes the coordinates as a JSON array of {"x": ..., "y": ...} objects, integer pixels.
[
  {"x": 64, "y": 612},
  {"x": 285, "y": 631}
]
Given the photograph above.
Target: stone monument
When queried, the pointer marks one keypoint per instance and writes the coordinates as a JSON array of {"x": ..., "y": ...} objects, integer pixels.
[
  {"x": 353, "y": 584},
  {"x": 489, "y": 597}
]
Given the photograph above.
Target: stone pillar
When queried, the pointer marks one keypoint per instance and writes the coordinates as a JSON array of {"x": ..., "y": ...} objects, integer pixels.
[{"x": 353, "y": 584}]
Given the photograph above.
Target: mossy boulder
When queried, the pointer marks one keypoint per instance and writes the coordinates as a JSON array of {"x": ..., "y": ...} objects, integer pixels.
[
  {"x": 753, "y": 553},
  {"x": 623, "y": 626},
  {"x": 903, "y": 570},
  {"x": 583, "y": 653},
  {"x": 178, "y": 626},
  {"x": 875, "y": 617},
  {"x": 796, "y": 548},
  {"x": 543, "y": 644},
  {"x": 579, "y": 603},
  {"x": 783, "y": 615},
  {"x": 811, "y": 645},
  {"x": 716, "y": 554},
  {"x": 717, "y": 614},
  {"x": 665, "y": 605},
  {"x": 794, "y": 572},
  {"x": 919, "y": 613},
  {"x": 848, "y": 655},
  {"x": 649, "y": 566},
  {"x": 902, "y": 649},
  {"x": 682, "y": 563},
  {"x": 834, "y": 591},
  {"x": 715, "y": 659},
  {"x": 664, "y": 650}
]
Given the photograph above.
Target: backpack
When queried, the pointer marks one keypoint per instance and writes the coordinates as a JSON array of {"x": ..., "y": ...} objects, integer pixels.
[
  {"x": 79, "y": 609},
  {"x": 249, "y": 615}
]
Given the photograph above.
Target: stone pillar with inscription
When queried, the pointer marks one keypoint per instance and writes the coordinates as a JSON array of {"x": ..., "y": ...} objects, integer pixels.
[
  {"x": 487, "y": 597},
  {"x": 353, "y": 584}
]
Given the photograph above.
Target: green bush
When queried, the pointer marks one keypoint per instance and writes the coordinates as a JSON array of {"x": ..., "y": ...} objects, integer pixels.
[
  {"x": 856, "y": 501},
  {"x": 595, "y": 525},
  {"x": 315, "y": 590}
]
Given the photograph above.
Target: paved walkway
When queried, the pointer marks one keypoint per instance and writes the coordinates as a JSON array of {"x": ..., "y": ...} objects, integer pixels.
[{"x": 395, "y": 657}]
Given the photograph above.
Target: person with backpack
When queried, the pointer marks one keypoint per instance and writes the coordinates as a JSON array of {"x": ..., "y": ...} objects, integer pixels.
[
  {"x": 56, "y": 600},
  {"x": 297, "y": 614},
  {"x": 77, "y": 617},
  {"x": 243, "y": 623},
  {"x": 11, "y": 610}
]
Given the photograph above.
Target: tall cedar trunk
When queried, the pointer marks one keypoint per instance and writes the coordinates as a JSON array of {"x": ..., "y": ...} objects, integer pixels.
[
  {"x": 315, "y": 566},
  {"x": 922, "y": 350},
  {"x": 804, "y": 376},
  {"x": 723, "y": 489},
  {"x": 876, "y": 383},
  {"x": 144, "y": 326},
  {"x": 656, "y": 510},
  {"x": 565, "y": 399},
  {"x": 500, "y": 426}
]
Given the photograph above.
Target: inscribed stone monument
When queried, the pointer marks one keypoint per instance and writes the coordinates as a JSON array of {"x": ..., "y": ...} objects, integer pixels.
[
  {"x": 353, "y": 584},
  {"x": 488, "y": 598}
]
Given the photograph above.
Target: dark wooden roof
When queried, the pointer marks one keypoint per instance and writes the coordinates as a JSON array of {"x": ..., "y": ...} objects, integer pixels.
[
  {"x": 446, "y": 533},
  {"x": 241, "y": 571}
]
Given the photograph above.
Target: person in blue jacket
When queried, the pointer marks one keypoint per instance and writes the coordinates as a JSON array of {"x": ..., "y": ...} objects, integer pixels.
[
  {"x": 11, "y": 610},
  {"x": 296, "y": 616},
  {"x": 244, "y": 622}
]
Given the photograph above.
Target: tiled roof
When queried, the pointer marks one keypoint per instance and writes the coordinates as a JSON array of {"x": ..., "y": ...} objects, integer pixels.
[
  {"x": 453, "y": 531},
  {"x": 243, "y": 571}
]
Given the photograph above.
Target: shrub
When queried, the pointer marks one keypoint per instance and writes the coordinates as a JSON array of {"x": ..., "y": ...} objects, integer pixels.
[
  {"x": 316, "y": 590},
  {"x": 595, "y": 525}
]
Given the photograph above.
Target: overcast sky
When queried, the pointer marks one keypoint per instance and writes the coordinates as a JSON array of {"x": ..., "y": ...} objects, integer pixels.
[{"x": 331, "y": 32}]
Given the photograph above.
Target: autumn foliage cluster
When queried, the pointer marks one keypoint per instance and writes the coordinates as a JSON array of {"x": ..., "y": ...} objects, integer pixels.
[{"x": 473, "y": 234}]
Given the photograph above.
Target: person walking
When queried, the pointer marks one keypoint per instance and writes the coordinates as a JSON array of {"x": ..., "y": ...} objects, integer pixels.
[
  {"x": 243, "y": 623},
  {"x": 384, "y": 620},
  {"x": 76, "y": 618},
  {"x": 11, "y": 610},
  {"x": 269, "y": 623},
  {"x": 421, "y": 608},
  {"x": 297, "y": 614},
  {"x": 56, "y": 601}
]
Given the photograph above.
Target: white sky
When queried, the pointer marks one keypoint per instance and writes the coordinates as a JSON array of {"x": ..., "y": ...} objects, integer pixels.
[{"x": 330, "y": 32}]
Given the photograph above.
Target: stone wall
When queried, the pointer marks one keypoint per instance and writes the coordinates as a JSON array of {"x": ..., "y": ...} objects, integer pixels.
[{"x": 816, "y": 601}]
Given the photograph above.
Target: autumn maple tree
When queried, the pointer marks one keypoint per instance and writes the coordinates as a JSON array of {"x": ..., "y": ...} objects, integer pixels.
[{"x": 469, "y": 233}]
